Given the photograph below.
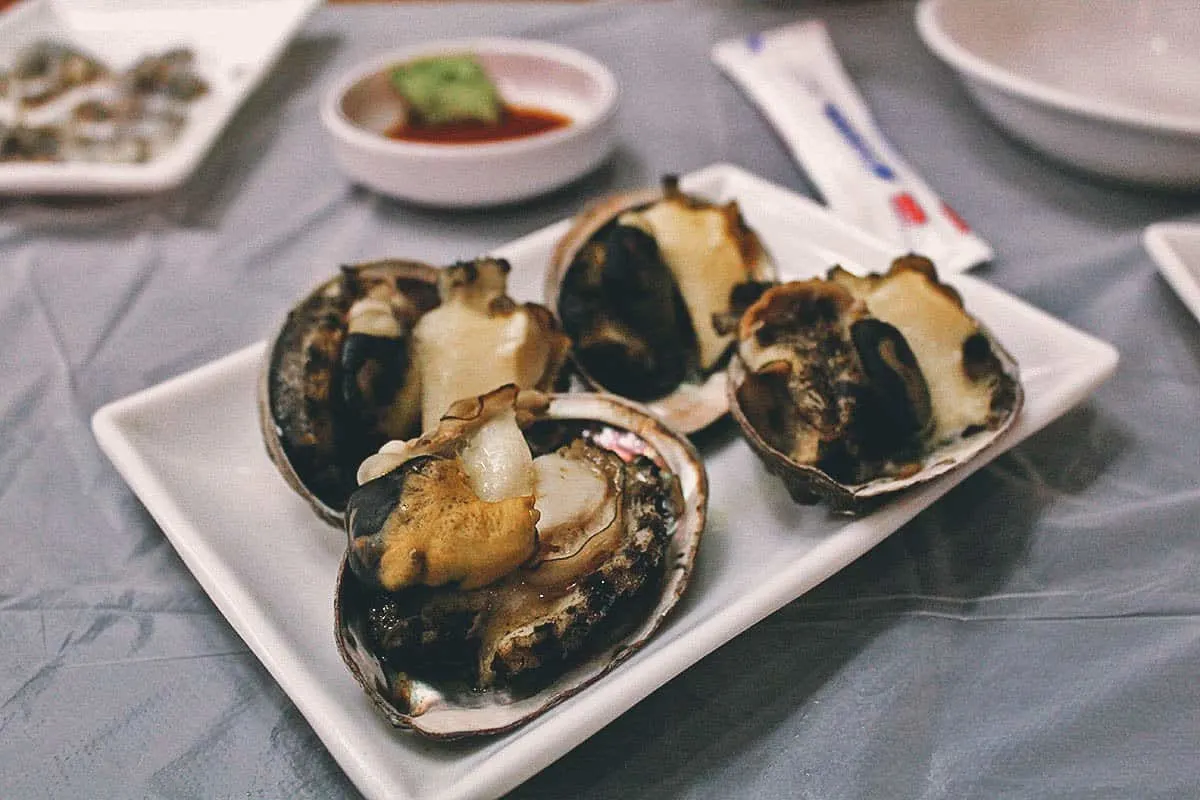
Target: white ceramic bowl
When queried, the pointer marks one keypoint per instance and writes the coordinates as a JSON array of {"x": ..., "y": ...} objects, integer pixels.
[
  {"x": 1109, "y": 86},
  {"x": 361, "y": 106}
]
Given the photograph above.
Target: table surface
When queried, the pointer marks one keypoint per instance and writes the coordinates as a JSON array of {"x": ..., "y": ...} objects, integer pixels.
[{"x": 1033, "y": 634}]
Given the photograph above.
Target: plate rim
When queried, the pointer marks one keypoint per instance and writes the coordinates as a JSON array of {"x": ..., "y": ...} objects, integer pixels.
[{"x": 1156, "y": 239}]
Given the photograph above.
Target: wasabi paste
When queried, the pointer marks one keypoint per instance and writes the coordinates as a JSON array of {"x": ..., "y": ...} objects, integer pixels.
[{"x": 445, "y": 89}]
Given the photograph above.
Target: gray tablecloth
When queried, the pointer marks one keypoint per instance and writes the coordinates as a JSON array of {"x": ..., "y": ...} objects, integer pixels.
[{"x": 1034, "y": 634}]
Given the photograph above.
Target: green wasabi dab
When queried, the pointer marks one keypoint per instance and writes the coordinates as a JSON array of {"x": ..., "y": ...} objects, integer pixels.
[{"x": 445, "y": 89}]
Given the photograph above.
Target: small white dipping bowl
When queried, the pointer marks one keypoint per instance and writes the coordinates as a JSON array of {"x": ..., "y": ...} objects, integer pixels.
[
  {"x": 362, "y": 106},
  {"x": 1109, "y": 86}
]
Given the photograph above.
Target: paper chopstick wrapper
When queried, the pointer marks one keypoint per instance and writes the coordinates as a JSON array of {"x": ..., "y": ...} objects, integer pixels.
[{"x": 794, "y": 75}]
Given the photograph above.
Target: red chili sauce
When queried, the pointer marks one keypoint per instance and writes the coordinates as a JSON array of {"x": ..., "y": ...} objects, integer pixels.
[{"x": 516, "y": 122}]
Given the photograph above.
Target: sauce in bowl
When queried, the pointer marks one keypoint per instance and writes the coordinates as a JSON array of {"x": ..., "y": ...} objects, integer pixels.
[{"x": 516, "y": 122}]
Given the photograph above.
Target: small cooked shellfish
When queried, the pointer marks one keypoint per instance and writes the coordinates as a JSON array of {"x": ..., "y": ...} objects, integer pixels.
[
  {"x": 851, "y": 388},
  {"x": 379, "y": 352},
  {"x": 68, "y": 106},
  {"x": 516, "y": 553},
  {"x": 171, "y": 74},
  {"x": 21, "y": 143},
  {"x": 639, "y": 282},
  {"x": 45, "y": 70}
]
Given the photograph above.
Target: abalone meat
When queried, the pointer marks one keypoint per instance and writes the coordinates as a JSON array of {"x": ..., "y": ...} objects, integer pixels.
[
  {"x": 380, "y": 351},
  {"x": 512, "y": 555},
  {"x": 641, "y": 282},
  {"x": 850, "y": 388}
]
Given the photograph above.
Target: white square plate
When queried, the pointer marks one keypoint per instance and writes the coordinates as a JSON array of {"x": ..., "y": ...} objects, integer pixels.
[
  {"x": 1175, "y": 247},
  {"x": 191, "y": 450},
  {"x": 235, "y": 43}
]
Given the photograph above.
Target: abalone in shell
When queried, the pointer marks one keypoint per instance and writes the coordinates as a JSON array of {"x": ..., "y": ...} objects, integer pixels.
[
  {"x": 645, "y": 284},
  {"x": 851, "y": 388},
  {"x": 514, "y": 554},
  {"x": 380, "y": 351}
]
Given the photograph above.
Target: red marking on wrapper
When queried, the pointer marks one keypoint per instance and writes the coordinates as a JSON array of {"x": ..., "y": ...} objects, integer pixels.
[
  {"x": 955, "y": 219},
  {"x": 908, "y": 209}
]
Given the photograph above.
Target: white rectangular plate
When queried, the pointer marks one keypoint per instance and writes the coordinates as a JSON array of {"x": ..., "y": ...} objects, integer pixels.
[
  {"x": 235, "y": 42},
  {"x": 1175, "y": 247},
  {"x": 191, "y": 450}
]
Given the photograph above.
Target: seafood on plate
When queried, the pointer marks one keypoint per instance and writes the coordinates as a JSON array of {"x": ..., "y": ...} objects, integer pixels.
[
  {"x": 513, "y": 554},
  {"x": 45, "y": 70},
  {"x": 852, "y": 388},
  {"x": 25, "y": 143},
  {"x": 380, "y": 351},
  {"x": 170, "y": 74},
  {"x": 59, "y": 104},
  {"x": 641, "y": 282}
]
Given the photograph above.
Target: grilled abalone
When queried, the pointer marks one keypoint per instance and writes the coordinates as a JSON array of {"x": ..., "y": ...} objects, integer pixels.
[
  {"x": 638, "y": 282},
  {"x": 850, "y": 388},
  {"x": 512, "y": 555},
  {"x": 379, "y": 352}
]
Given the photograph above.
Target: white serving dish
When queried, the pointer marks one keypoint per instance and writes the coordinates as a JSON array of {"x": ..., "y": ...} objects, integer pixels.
[
  {"x": 360, "y": 107},
  {"x": 236, "y": 42},
  {"x": 1109, "y": 86},
  {"x": 191, "y": 450},
  {"x": 1175, "y": 247}
]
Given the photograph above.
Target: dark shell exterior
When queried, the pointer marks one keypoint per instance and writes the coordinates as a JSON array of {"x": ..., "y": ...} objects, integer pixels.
[
  {"x": 311, "y": 334},
  {"x": 449, "y": 712}
]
